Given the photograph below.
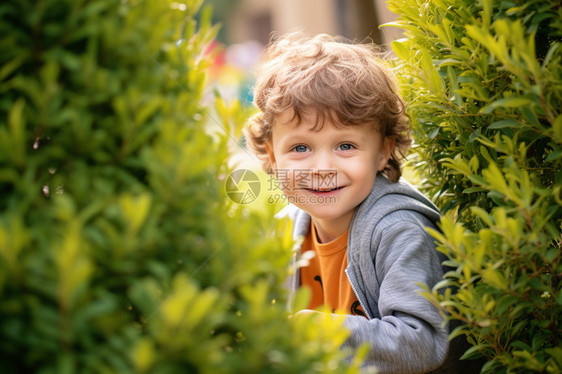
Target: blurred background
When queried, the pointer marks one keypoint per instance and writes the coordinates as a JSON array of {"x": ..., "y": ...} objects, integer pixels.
[
  {"x": 247, "y": 26},
  {"x": 246, "y": 20}
]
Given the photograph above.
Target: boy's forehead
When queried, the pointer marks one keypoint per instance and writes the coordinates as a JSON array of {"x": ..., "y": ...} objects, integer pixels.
[
  {"x": 308, "y": 116},
  {"x": 289, "y": 116},
  {"x": 287, "y": 124},
  {"x": 312, "y": 117}
]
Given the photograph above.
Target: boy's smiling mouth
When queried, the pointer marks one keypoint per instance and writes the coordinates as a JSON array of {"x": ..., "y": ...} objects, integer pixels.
[{"x": 324, "y": 190}]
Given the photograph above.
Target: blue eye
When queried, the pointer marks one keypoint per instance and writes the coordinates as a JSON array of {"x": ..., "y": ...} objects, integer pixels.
[
  {"x": 300, "y": 148},
  {"x": 345, "y": 147}
]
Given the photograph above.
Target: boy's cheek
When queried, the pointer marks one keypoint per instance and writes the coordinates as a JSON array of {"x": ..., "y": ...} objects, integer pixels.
[
  {"x": 302, "y": 178},
  {"x": 301, "y": 184}
]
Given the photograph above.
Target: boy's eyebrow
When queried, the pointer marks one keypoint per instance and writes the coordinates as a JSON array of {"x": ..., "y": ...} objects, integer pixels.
[
  {"x": 299, "y": 137},
  {"x": 343, "y": 133}
]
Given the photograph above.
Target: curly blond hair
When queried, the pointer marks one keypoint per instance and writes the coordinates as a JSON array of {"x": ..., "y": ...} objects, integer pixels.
[{"x": 334, "y": 78}]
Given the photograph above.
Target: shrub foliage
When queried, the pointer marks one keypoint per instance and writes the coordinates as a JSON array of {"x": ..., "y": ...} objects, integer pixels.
[
  {"x": 483, "y": 81},
  {"x": 119, "y": 251}
]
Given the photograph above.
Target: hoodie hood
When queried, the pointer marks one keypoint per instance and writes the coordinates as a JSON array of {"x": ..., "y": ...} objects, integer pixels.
[{"x": 386, "y": 198}]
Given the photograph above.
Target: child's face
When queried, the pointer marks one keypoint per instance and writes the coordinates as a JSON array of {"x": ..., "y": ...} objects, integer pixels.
[{"x": 329, "y": 172}]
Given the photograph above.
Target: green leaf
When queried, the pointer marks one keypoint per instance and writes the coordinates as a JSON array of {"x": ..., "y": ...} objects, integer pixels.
[
  {"x": 505, "y": 123},
  {"x": 11, "y": 66},
  {"x": 473, "y": 190},
  {"x": 551, "y": 254},
  {"x": 433, "y": 133},
  {"x": 505, "y": 303},
  {"x": 521, "y": 345},
  {"x": 556, "y": 354},
  {"x": 509, "y": 102},
  {"x": 557, "y": 127},
  {"x": 16, "y": 122},
  {"x": 400, "y": 48},
  {"x": 494, "y": 277},
  {"x": 482, "y": 214},
  {"x": 473, "y": 352},
  {"x": 474, "y": 135},
  {"x": 554, "y": 155}
]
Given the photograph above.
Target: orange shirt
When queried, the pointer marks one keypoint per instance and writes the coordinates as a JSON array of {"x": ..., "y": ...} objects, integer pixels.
[{"x": 325, "y": 275}]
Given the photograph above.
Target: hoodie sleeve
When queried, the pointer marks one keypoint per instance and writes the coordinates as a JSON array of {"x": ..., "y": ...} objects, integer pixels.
[{"x": 409, "y": 336}]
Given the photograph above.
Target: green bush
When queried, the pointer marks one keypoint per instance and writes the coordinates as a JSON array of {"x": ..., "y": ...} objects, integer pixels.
[
  {"x": 119, "y": 251},
  {"x": 483, "y": 81}
]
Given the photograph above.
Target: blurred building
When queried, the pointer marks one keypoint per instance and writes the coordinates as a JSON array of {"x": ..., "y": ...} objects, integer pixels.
[
  {"x": 247, "y": 28},
  {"x": 248, "y": 25},
  {"x": 354, "y": 19}
]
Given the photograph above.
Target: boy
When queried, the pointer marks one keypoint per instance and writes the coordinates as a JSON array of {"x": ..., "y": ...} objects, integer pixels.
[{"x": 334, "y": 131}]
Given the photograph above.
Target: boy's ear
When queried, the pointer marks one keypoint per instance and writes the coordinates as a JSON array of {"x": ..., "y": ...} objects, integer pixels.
[
  {"x": 386, "y": 151},
  {"x": 270, "y": 154}
]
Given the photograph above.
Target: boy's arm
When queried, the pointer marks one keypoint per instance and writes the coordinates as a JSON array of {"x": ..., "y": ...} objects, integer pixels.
[{"x": 410, "y": 336}]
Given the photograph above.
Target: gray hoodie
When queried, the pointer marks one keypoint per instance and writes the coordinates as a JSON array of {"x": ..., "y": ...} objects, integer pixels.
[{"x": 389, "y": 253}]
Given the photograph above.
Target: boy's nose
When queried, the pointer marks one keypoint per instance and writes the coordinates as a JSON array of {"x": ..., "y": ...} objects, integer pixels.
[{"x": 323, "y": 162}]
